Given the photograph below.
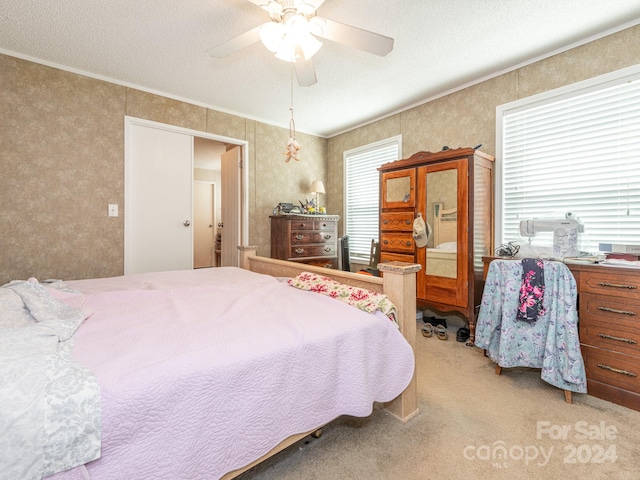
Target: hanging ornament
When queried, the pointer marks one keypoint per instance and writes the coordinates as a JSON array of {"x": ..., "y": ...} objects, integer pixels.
[{"x": 292, "y": 145}]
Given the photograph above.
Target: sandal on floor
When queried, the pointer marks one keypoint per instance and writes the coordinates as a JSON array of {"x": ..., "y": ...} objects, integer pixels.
[
  {"x": 427, "y": 330},
  {"x": 441, "y": 332},
  {"x": 463, "y": 334}
]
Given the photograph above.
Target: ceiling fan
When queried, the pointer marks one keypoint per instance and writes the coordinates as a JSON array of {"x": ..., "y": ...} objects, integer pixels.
[{"x": 291, "y": 35}]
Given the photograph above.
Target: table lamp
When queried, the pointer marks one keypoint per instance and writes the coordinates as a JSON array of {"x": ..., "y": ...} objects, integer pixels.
[{"x": 317, "y": 187}]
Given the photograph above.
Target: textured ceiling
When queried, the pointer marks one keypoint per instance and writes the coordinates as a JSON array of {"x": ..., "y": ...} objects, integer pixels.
[{"x": 440, "y": 45}]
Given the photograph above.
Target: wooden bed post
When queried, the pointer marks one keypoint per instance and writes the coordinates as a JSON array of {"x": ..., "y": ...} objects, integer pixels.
[
  {"x": 245, "y": 253},
  {"x": 400, "y": 286}
]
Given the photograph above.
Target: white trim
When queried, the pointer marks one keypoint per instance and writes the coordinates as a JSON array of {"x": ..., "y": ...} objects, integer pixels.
[
  {"x": 244, "y": 200},
  {"x": 582, "y": 87},
  {"x": 401, "y": 109}
]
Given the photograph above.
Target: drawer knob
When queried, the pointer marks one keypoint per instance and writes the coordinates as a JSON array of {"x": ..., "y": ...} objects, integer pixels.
[
  {"x": 614, "y": 285},
  {"x": 407, "y": 222},
  {"x": 618, "y": 339},
  {"x": 327, "y": 249},
  {"x": 408, "y": 243},
  {"x": 385, "y": 221},
  {"x": 302, "y": 225},
  {"x": 613, "y": 310},
  {"x": 616, "y": 370},
  {"x": 299, "y": 237},
  {"x": 299, "y": 251},
  {"x": 386, "y": 242},
  {"x": 327, "y": 237}
]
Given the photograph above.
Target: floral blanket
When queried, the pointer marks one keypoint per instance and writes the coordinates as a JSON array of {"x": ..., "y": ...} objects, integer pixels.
[
  {"x": 49, "y": 403},
  {"x": 361, "y": 298},
  {"x": 551, "y": 342}
]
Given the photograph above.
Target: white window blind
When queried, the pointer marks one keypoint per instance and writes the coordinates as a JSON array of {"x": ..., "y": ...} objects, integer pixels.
[
  {"x": 577, "y": 153},
  {"x": 362, "y": 183}
]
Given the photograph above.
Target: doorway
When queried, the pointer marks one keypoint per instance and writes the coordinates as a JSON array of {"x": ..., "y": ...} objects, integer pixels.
[{"x": 160, "y": 175}]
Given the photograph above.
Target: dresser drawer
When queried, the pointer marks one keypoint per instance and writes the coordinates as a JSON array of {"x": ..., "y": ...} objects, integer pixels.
[
  {"x": 302, "y": 225},
  {"x": 609, "y": 310},
  {"x": 396, "y": 257},
  {"x": 618, "y": 337},
  {"x": 397, "y": 222},
  {"x": 611, "y": 368},
  {"x": 320, "y": 225},
  {"x": 396, "y": 242},
  {"x": 616, "y": 284},
  {"x": 313, "y": 251},
  {"x": 303, "y": 237}
]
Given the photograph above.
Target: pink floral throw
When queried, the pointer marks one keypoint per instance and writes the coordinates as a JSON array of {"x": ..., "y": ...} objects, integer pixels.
[
  {"x": 531, "y": 290},
  {"x": 358, "y": 297}
]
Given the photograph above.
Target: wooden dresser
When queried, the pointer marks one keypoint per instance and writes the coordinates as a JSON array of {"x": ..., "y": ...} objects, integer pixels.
[
  {"x": 609, "y": 313},
  {"x": 609, "y": 322},
  {"x": 311, "y": 239}
]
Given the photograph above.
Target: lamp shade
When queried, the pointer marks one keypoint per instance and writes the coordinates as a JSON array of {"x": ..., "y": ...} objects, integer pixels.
[{"x": 317, "y": 187}]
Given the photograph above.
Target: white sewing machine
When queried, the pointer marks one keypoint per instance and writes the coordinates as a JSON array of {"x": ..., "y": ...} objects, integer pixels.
[{"x": 565, "y": 233}]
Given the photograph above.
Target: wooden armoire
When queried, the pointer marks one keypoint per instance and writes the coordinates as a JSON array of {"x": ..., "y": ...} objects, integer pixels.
[{"x": 453, "y": 192}]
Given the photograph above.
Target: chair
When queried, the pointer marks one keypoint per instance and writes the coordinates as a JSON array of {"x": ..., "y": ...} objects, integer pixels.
[
  {"x": 550, "y": 343},
  {"x": 374, "y": 259}
]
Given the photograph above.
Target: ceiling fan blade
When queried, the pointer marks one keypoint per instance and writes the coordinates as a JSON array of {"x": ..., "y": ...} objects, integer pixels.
[
  {"x": 354, "y": 37},
  {"x": 305, "y": 72},
  {"x": 237, "y": 43}
]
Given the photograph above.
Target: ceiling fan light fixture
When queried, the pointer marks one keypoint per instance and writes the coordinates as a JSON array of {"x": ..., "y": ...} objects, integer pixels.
[
  {"x": 297, "y": 41},
  {"x": 290, "y": 50},
  {"x": 287, "y": 50},
  {"x": 272, "y": 34},
  {"x": 316, "y": 25}
]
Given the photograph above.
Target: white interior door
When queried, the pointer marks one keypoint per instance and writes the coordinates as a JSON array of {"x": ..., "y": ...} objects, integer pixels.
[
  {"x": 203, "y": 219},
  {"x": 231, "y": 172},
  {"x": 158, "y": 206}
]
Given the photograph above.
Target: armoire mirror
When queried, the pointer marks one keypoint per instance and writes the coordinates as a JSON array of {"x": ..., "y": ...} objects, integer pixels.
[{"x": 442, "y": 216}]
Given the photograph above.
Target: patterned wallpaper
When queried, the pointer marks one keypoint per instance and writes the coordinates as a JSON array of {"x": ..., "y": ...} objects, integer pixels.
[
  {"x": 62, "y": 152},
  {"x": 467, "y": 117},
  {"x": 62, "y": 163}
]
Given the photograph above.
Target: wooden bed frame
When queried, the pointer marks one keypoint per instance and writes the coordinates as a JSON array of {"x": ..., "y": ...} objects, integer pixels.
[
  {"x": 398, "y": 283},
  {"x": 445, "y": 224}
]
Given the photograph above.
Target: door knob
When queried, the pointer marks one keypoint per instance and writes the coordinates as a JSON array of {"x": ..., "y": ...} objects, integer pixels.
[
  {"x": 186, "y": 223},
  {"x": 220, "y": 225}
]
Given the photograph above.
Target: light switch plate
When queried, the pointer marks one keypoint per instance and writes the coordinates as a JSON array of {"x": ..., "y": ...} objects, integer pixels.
[{"x": 113, "y": 209}]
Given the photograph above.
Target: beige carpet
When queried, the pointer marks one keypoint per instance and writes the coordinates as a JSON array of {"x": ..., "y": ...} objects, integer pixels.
[{"x": 466, "y": 413}]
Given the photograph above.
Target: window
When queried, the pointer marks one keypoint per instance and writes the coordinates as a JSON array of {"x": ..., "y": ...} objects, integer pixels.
[
  {"x": 362, "y": 184},
  {"x": 576, "y": 151}
]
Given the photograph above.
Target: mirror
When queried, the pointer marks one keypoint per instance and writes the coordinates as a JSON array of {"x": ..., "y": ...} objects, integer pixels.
[
  {"x": 442, "y": 216},
  {"x": 398, "y": 189}
]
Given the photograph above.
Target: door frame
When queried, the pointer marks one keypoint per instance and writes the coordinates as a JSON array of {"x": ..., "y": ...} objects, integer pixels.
[{"x": 244, "y": 190}]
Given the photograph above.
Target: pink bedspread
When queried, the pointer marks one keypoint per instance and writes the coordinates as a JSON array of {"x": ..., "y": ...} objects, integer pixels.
[{"x": 198, "y": 380}]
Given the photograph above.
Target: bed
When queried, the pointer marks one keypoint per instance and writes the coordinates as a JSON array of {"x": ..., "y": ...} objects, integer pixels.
[
  {"x": 442, "y": 257},
  {"x": 287, "y": 362}
]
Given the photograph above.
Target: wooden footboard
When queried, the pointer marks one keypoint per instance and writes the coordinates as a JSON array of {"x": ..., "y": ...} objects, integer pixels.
[{"x": 398, "y": 283}]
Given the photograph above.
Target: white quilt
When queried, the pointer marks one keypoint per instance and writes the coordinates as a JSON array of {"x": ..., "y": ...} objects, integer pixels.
[{"x": 204, "y": 371}]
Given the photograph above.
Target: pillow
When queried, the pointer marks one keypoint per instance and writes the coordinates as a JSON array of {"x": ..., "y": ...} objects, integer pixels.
[
  {"x": 13, "y": 312},
  {"x": 449, "y": 246},
  {"x": 361, "y": 298}
]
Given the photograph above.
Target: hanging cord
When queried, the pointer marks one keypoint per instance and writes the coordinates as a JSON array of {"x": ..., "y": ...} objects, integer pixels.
[{"x": 292, "y": 145}]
